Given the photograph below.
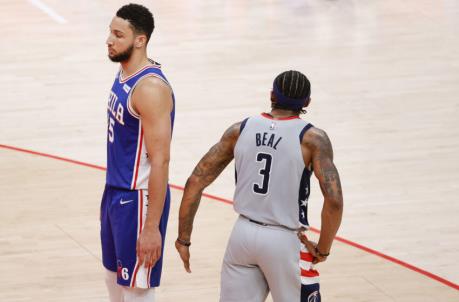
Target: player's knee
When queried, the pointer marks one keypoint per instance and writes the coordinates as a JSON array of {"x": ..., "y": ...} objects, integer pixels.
[
  {"x": 138, "y": 294},
  {"x": 110, "y": 277},
  {"x": 114, "y": 290},
  {"x": 310, "y": 293}
]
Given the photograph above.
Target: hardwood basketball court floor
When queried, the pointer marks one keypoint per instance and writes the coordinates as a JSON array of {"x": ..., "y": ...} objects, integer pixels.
[
  {"x": 384, "y": 77},
  {"x": 50, "y": 249}
]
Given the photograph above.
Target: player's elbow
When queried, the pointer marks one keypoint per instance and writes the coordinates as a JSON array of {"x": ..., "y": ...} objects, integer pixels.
[
  {"x": 160, "y": 161},
  {"x": 334, "y": 204},
  {"x": 195, "y": 181}
]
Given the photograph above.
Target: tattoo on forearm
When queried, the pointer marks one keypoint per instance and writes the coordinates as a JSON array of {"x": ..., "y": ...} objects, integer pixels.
[
  {"x": 186, "y": 221},
  {"x": 207, "y": 170}
]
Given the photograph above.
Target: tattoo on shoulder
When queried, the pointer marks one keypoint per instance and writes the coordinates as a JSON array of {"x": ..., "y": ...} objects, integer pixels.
[
  {"x": 233, "y": 130},
  {"x": 318, "y": 142}
]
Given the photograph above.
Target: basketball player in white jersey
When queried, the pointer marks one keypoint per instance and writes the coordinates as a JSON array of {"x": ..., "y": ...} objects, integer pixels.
[
  {"x": 135, "y": 204},
  {"x": 275, "y": 155}
]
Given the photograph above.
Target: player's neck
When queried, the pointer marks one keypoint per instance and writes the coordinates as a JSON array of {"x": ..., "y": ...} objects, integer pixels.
[
  {"x": 134, "y": 64},
  {"x": 281, "y": 113}
]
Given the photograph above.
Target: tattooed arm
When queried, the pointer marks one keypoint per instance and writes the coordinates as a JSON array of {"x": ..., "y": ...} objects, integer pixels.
[
  {"x": 207, "y": 170},
  {"x": 320, "y": 148}
]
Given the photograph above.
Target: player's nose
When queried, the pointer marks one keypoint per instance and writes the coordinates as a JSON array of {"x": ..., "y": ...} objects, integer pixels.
[{"x": 109, "y": 41}]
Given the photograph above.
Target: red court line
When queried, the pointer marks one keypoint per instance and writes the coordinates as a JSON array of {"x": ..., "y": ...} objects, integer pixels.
[
  {"x": 227, "y": 201},
  {"x": 205, "y": 195},
  {"x": 53, "y": 157}
]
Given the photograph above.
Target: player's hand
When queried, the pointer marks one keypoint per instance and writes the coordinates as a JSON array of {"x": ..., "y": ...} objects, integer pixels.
[
  {"x": 149, "y": 246},
  {"x": 184, "y": 252},
  {"x": 311, "y": 247}
]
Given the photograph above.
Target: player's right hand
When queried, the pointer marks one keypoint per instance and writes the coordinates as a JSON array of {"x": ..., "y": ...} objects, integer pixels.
[
  {"x": 149, "y": 247},
  {"x": 184, "y": 252}
]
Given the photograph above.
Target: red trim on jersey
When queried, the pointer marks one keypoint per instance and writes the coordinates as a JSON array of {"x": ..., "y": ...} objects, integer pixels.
[
  {"x": 149, "y": 275},
  {"x": 141, "y": 212},
  {"x": 129, "y": 102},
  {"x": 136, "y": 270},
  {"x": 140, "y": 225},
  {"x": 306, "y": 257},
  {"x": 280, "y": 118},
  {"x": 136, "y": 170},
  {"x": 137, "y": 73},
  {"x": 310, "y": 273}
]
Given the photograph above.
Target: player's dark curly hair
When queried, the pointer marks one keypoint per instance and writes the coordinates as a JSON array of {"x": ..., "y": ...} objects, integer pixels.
[
  {"x": 292, "y": 84},
  {"x": 140, "y": 17}
]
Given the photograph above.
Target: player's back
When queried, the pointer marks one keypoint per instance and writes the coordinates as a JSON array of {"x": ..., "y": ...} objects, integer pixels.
[{"x": 272, "y": 181}]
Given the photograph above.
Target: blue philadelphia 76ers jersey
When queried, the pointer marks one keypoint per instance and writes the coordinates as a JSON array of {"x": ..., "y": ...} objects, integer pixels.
[{"x": 128, "y": 166}]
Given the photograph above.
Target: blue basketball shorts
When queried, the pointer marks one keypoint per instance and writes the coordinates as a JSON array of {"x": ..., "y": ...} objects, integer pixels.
[{"x": 122, "y": 218}]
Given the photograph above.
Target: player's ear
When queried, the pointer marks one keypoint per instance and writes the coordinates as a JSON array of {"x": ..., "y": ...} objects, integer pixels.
[
  {"x": 140, "y": 41},
  {"x": 273, "y": 99}
]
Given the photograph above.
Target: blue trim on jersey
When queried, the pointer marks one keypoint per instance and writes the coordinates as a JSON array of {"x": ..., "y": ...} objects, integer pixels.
[
  {"x": 124, "y": 130},
  {"x": 243, "y": 125},
  {"x": 303, "y": 196},
  {"x": 306, "y": 128},
  {"x": 305, "y": 186},
  {"x": 240, "y": 131}
]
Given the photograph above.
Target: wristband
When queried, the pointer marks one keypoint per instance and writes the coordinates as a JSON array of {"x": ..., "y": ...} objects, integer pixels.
[
  {"x": 183, "y": 242},
  {"x": 321, "y": 254}
]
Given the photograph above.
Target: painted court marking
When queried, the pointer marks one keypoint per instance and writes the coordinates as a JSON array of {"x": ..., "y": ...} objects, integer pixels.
[
  {"x": 340, "y": 239},
  {"x": 49, "y": 11}
]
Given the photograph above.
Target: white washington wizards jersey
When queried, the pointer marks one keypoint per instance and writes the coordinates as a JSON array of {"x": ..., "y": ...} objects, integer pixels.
[
  {"x": 272, "y": 181},
  {"x": 128, "y": 166}
]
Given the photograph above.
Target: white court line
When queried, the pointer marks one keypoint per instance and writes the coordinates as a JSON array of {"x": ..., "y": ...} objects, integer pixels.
[{"x": 49, "y": 11}]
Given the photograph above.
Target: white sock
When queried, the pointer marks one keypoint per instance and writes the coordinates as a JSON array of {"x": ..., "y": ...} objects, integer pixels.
[
  {"x": 133, "y": 294},
  {"x": 115, "y": 293}
]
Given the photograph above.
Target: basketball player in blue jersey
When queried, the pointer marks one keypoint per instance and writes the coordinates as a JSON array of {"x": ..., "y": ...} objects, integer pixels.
[
  {"x": 275, "y": 154},
  {"x": 135, "y": 203}
]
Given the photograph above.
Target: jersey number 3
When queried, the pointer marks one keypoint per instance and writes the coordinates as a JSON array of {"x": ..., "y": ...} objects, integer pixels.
[{"x": 265, "y": 172}]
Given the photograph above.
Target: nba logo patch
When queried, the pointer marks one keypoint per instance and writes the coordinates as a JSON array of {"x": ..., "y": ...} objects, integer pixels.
[
  {"x": 119, "y": 268},
  {"x": 126, "y": 88},
  {"x": 273, "y": 125}
]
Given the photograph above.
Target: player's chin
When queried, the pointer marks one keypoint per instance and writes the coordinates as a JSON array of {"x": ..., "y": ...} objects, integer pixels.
[{"x": 113, "y": 58}]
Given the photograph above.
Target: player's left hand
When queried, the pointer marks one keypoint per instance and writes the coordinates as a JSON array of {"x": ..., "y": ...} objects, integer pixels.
[
  {"x": 311, "y": 247},
  {"x": 149, "y": 246}
]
